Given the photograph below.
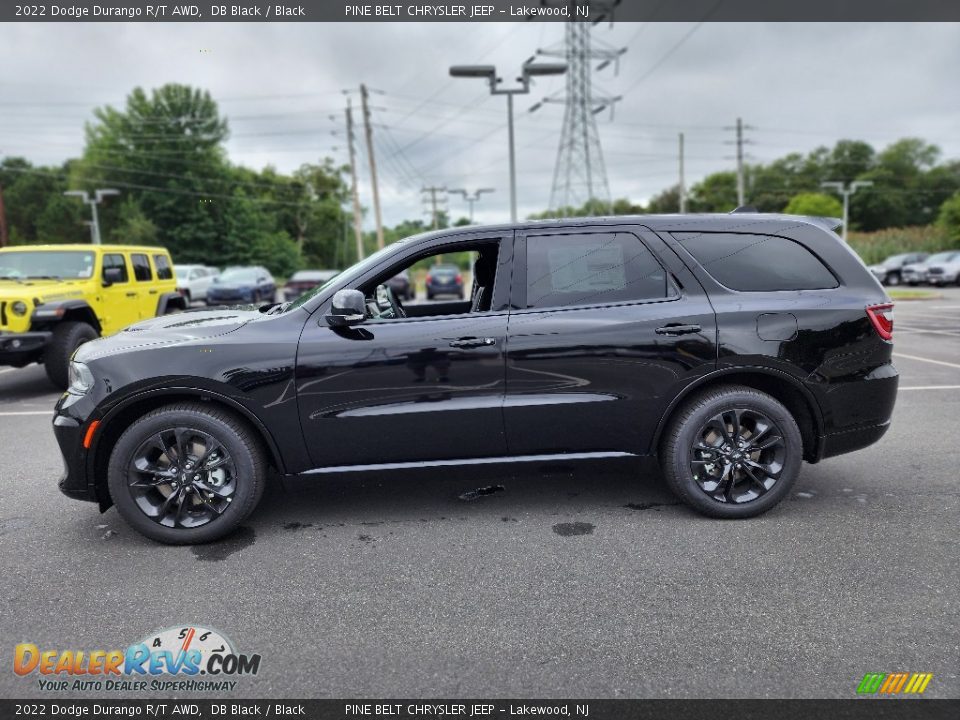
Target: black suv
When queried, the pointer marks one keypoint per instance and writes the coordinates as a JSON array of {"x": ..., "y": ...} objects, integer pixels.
[{"x": 732, "y": 347}]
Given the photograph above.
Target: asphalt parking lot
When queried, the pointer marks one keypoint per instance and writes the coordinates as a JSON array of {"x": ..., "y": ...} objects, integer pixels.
[{"x": 571, "y": 581}]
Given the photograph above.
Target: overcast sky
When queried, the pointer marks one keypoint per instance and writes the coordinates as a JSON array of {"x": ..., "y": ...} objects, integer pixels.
[{"x": 798, "y": 85}]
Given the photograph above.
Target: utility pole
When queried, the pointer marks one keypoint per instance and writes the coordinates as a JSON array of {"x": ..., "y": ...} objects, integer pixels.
[
  {"x": 683, "y": 184},
  {"x": 93, "y": 201},
  {"x": 471, "y": 199},
  {"x": 357, "y": 228},
  {"x": 4, "y": 235},
  {"x": 433, "y": 190},
  {"x": 373, "y": 164},
  {"x": 740, "y": 142},
  {"x": 846, "y": 191}
]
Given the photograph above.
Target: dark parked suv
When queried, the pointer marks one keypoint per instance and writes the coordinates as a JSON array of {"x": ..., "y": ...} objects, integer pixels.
[{"x": 732, "y": 347}]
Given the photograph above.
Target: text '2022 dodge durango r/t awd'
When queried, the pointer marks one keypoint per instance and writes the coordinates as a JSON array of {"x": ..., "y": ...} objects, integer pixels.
[{"x": 731, "y": 347}]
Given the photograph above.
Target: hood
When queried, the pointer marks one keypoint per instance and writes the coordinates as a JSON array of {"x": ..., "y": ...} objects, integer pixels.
[
  {"x": 170, "y": 330},
  {"x": 42, "y": 290},
  {"x": 233, "y": 285}
]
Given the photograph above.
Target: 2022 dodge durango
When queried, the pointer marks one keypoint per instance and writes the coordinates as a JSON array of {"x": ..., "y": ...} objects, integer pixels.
[{"x": 731, "y": 347}]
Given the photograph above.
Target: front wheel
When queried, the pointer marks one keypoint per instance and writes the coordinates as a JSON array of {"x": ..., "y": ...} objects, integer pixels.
[
  {"x": 892, "y": 279},
  {"x": 67, "y": 337},
  {"x": 731, "y": 452},
  {"x": 186, "y": 473}
]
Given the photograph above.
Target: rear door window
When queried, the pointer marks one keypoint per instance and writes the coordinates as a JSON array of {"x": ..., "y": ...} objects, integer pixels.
[
  {"x": 141, "y": 267},
  {"x": 590, "y": 269},
  {"x": 757, "y": 263},
  {"x": 164, "y": 271}
]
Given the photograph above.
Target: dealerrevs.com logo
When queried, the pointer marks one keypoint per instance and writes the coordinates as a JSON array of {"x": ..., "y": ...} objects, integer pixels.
[
  {"x": 898, "y": 683},
  {"x": 188, "y": 658}
]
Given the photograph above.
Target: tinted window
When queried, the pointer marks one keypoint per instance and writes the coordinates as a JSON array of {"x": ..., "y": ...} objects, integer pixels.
[
  {"x": 162, "y": 265},
  {"x": 591, "y": 268},
  {"x": 116, "y": 261},
  {"x": 141, "y": 267},
  {"x": 757, "y": 263}
]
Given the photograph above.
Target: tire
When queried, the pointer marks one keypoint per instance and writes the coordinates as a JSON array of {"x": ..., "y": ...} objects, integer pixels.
[
  {"x": 242, "y": 479},
  {"x": 744, "y": 498},
  {"x": 67, "y": 337},
  {"x": 187, "y": 297},
  {"x": 892, "y": 279},
  {"x": 429, "y": 296}
]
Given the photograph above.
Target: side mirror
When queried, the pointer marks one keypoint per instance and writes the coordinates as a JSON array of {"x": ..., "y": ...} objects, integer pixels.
[
  {"x": 112, "y": 275},
  {"x": 348, "y": 308}
]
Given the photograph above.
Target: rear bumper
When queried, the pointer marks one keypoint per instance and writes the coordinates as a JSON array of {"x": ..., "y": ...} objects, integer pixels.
[
  {"x": 844, "y": 442},
  {"x": 19, "y": 349}
]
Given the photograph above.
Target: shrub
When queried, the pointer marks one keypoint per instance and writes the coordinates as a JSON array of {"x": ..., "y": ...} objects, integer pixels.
[{"x": 876, "y": 246}]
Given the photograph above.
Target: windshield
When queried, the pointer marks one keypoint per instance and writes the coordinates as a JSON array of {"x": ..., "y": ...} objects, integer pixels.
[
  {"x": 240, "y": 275},
  {"x": 45, "y": 264},
  {"x": 941, "y": 257},
  {"x": 351, "y": 272},
  {"x": 182, "y": 273}
]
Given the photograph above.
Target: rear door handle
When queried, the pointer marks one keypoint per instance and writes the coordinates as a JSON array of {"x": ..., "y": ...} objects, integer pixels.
[
  {"x": 472, "y": 342},
  {"x": 678, "y": 329},
  {"x": 131, "y": 294},
  {"x": 153, "y": 292}
]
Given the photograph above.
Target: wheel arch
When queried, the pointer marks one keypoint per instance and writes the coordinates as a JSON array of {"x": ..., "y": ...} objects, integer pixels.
[
  {"x": 47, "y": 315},
  {"x": 170, "y": 300},
  {"x": 782, "y": 387},
  {"x": 120, "y": 417}
]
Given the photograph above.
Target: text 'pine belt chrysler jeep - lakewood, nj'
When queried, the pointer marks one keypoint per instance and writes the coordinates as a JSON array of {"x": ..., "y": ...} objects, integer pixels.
[
  {"x": 53, "y": 298},
  {"x": 729, "y": 347}
]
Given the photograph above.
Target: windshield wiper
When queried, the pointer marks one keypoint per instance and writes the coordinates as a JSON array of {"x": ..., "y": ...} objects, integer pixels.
[
  {"x": 274, "y": 308},
  {"x": 43, "y": 277}
]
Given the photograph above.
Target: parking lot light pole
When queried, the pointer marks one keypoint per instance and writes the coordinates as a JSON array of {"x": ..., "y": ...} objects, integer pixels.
[
  {"x": 846, "y": 191},
  {"x": 93, "y": 201},
  {"x": 489, "y": 73},
  {"x": 471, "y": 199}
]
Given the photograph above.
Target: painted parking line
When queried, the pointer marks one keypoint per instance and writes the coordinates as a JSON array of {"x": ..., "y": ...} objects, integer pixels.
[
  {"x": 927, "y": 360},
  {"x": 26, "y": 412},
  {"x": 927, "y": 331},
  {"x": 930, "y": 387}
]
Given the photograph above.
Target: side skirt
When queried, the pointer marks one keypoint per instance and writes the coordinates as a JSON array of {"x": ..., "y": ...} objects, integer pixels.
[{"x": 469, "y": 461}]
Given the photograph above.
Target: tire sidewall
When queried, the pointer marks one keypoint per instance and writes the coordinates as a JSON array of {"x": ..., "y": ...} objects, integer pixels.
[
  {"x": 244, "y": 499},
  {"x": 680, "y": 475}
]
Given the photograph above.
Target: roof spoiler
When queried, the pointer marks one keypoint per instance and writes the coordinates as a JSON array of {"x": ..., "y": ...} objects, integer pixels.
[
  {"x": 828, "y": 223},
  {"x": 744, "y": 209}
]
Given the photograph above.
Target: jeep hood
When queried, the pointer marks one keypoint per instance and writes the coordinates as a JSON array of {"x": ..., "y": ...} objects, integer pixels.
[
  {"x": 170, "y": 330},
  {"x": 42, "y": 290}
]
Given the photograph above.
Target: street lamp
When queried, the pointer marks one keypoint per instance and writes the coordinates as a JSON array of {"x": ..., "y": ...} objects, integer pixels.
[
  {"x": 93, "y": 201},
  {"x": 471, "y": 199},
  {"x": 489, "y": 72},
  {"x": 846, "y": 191}
]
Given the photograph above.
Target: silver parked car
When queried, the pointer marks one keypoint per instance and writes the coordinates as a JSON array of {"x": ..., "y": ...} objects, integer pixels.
[
  {"x": 917, "y": 273},
  {"x": 193, "y": 281},
  {"x": 889, "y": 272},
  {"x": 944, "y": 271}
]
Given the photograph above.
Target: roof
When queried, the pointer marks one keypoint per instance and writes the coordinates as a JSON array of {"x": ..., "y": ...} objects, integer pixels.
[{"x": 78, "y": 246}]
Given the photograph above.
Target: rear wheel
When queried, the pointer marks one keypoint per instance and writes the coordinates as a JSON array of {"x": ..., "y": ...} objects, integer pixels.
[
  {"x": 732, "y": 452},
  {"x": 67, "y": 337},
  {"x": 186, "y": 473},
  {"x": 892, "y": 279}
]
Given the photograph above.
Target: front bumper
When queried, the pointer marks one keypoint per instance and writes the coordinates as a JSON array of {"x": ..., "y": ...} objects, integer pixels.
[
  {"x": 19, "y": 349},
  {"x": 73, "y": 483},
  {"x": 942, "y": 278}
]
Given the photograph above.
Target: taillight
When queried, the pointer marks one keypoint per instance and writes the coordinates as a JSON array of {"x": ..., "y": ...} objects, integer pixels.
[
  {"x": 459, "y": 278},
  {"x": 882, "y": 318},
  {"x": 429, "y": 278}
]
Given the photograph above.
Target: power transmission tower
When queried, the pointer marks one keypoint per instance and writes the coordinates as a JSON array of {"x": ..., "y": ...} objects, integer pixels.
[
  {"x": 373, "y": 164},
  {"x": 740, "y": 142},
  {"x": 434, "y": 191},
  {"x": 357, "y": 227},
  {"x": 580, "y": 174}
]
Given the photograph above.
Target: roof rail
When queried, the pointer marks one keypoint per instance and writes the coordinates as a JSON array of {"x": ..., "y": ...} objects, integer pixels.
[{"x": 744, "y": 209}]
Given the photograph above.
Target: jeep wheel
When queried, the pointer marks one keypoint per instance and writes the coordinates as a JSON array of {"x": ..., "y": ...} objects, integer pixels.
[
  {"x": 67, "y": 337},
  {"x": 186, "y": 473},
  {"x": 731, "y": 452}
]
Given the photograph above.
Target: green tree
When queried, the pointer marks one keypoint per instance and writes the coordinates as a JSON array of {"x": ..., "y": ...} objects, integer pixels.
[
  {"x": 949, "y": 218},
  {"x": 816, "y": 204}
]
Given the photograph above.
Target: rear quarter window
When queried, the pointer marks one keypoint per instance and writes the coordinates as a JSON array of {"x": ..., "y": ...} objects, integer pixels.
[
  {"x": 757, "y": 263},
  {"x": 164, "y": 271}
]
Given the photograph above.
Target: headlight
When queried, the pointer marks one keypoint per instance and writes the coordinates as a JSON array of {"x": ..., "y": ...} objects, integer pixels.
[
  {"x": 81, "y": 379},
  {"x": 19, "y": 308}
]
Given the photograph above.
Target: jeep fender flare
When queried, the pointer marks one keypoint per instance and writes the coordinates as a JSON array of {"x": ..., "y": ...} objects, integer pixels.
[
  {"x": 48, "y": 314},
  {"x": 170, "y": 301}
]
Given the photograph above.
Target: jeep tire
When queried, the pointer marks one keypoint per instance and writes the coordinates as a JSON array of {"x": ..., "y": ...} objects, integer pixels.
[{"x": 67, "y": 337}]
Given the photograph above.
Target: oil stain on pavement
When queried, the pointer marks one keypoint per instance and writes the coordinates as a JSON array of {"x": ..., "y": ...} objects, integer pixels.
[{"x": 574, "y": 528}]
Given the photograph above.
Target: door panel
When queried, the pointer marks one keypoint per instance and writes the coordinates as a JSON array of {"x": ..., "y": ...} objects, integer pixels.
[
  {"x": 598, "y": 378},
  {"x": 121, "y": 301},
  {"x": 403, "y": 390}
]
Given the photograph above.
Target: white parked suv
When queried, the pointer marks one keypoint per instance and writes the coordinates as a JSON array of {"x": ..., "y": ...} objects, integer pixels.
[
  {"x": 945, "y": 271},
  {"x": 916, "y": 273},
  {"x": 193, "y": 281}
]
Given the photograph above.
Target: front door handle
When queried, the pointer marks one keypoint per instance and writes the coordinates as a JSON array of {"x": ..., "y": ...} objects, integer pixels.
[
  {"x": 153, "y": 292},
  {"x": 131, "y": 294},
  {"x": 472, "y": 342},
  {"x": 678, "y": 329}
]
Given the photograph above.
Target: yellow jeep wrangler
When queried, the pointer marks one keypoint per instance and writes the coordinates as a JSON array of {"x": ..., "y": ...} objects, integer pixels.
[{"x": 55, "y": 297}]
